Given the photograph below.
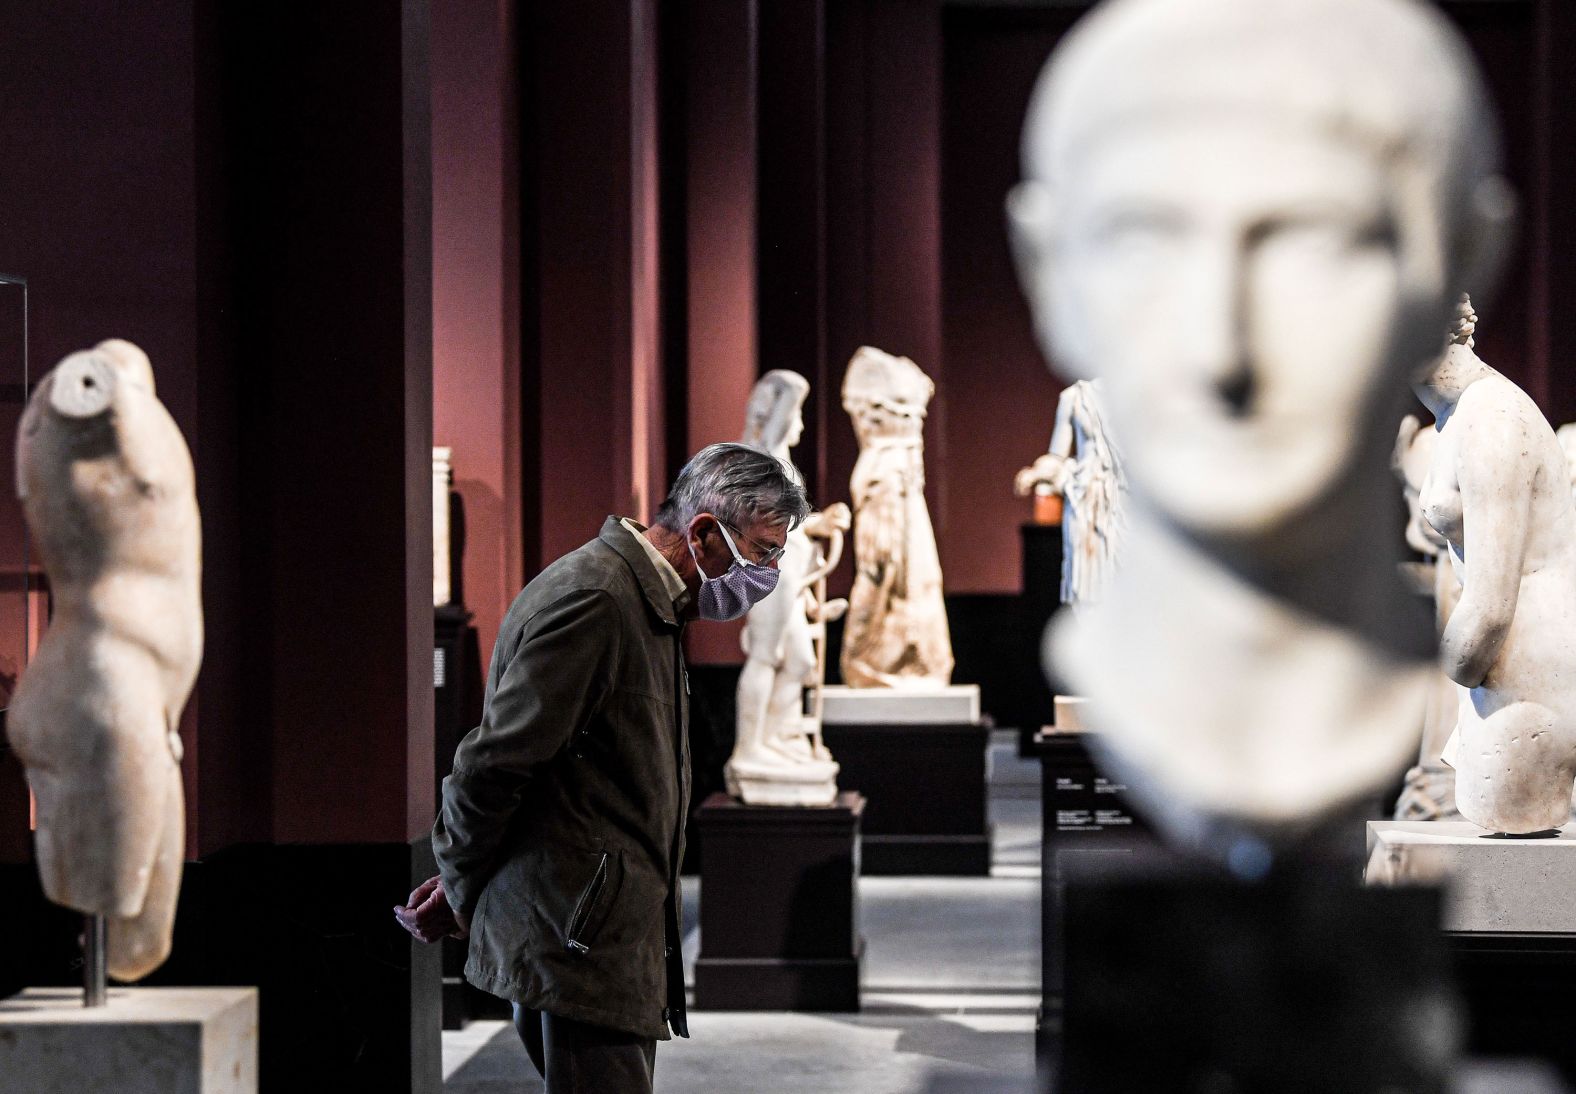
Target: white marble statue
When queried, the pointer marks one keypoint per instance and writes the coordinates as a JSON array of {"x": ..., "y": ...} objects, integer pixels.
[
  {"x": 107, "y": 487},
  {"x": 1249, "y": 217},
  {"x": 1498, "y": 492},
  {"x": 1566, "y": 434},
  {"x": 1084, "y": 466},
  {"x": 1429, "y": 792},
  {"x": 442, "y": 564},
  {"x": 778, "y": 756},
  {"x": 896, "y": 634}
]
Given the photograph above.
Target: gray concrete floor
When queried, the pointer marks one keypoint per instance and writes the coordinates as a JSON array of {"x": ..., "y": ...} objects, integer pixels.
[{"x": 950, "y": 987}]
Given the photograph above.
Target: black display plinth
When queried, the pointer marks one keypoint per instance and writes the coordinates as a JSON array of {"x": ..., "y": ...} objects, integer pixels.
[
  {"x": 926, "y": 791},
  {"x": 1086, "y": 822},
  {"x": 1302, "y": 984},
  {"x": 779, "y": 911},
  {"x": 1518, "y": 988}
]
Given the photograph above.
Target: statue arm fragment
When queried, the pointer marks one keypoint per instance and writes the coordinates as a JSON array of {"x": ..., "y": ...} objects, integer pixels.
[{"x": 1496, "y": 498}]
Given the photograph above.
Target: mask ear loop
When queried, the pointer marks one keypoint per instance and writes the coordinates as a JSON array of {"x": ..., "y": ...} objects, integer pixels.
[{"x": 726, "y": 538}]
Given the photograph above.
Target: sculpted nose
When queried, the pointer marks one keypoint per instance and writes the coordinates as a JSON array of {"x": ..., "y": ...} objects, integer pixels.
[{"x": 1216, "y": 336}]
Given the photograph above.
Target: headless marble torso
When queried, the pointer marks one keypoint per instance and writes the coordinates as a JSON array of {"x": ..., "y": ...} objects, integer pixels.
[
  {"x": 1498, "y": 492},
  {"x": 109, "y": 494}
]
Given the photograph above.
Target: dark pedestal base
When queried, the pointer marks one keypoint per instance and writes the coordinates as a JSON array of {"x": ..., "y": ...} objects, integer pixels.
[
  {"x": 1086, "y": 823},
  {"x": 1518, "y": 990},
  {"x": 779, "y": 906},
  {"x": 926, "y": 791},
  {"x": 1299, "y": 985}
]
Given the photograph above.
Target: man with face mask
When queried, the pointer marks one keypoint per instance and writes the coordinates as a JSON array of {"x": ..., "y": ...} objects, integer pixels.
[{"x": 561, "y": 829}]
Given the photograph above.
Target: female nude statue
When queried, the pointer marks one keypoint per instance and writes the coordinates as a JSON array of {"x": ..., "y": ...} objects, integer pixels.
[
  {"x": 1498, "y": 492},
  {"x": 107, "y": 486},
  {"x": 778, "y": 757}
]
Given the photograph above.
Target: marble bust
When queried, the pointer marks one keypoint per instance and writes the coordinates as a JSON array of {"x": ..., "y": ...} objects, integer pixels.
[
  {"x": 1084, "y": 466},
  {"x": 1497, "y": 491},
  {"x": 1250, "y": 218},
  {"x": 107, "y": 487},
  {"x": 778, "y": 756},
  {"x": 896, "y": 634}
]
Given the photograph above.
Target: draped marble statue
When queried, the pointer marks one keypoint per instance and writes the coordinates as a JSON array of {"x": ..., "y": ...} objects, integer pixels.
[
  {"x": 1084, "y": 466},
  {"x": 107, "y": 487},
  {"x": 1497, "y": 491},
  {"x": 778, "y": 757},
  {"x": 1249, "y": 218},
  {"x": 896, "y": 634}
]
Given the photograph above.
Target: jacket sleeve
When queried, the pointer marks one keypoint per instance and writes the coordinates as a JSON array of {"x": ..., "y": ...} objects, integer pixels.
[{"x": 556, "y": 679}]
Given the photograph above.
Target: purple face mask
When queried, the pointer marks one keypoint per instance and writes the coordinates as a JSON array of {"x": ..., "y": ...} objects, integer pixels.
[{"x": 737, "y": 590}]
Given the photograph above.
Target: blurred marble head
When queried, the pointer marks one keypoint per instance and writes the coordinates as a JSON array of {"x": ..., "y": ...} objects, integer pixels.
[
  {"x": 1252, "y": 218},
  {"x": 774, "y": 416}
]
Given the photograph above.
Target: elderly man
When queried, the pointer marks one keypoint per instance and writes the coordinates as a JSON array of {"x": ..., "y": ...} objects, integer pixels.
[{"x": 562, "y": 826}]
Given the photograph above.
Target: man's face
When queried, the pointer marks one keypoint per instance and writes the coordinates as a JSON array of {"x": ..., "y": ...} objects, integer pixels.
[{"x": 1240, "y": 287}]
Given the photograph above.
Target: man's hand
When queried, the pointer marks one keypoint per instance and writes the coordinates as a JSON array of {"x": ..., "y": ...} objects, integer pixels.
[{"x": 428, "y": 916}]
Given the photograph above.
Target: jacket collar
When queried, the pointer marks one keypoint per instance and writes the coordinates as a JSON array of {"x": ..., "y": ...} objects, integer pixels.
[{"x": 616, "y": 536}]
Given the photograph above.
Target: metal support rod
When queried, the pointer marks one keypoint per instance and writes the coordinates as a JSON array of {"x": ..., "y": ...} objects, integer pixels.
[{"x": 95, "y": 968}]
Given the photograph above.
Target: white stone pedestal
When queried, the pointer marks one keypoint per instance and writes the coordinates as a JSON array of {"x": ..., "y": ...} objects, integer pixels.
[
  {"x": 145, "y": 1041},
  {"x": 1069, "y": 717},
  {"x": 1492, "y": 883},
  {"x": 956, "y": 704}
]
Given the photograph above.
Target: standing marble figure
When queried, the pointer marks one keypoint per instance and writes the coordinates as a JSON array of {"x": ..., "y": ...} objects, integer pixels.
[
  {"x": 1249, "y": 218},
  {"x": 778, "y": 757},
  {"x": 1084, "y": 466},
  {"x": 896, "y": 634},
  {"x": 107, "y": 486},
  {"x": 1497, "y": 491}
]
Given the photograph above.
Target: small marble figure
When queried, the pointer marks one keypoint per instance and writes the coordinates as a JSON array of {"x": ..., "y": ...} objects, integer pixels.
[
  {"x": 442, "y": 483},
  {"x": 1429, "y": 791},
  {"x": 1084, "y": 466},
  {"x": 778, "y": 757},
  {"x": 107, "y": 487},
  {"x": 1497, "y": 491},
  {"x": 896, "y": 634},
  {"x": 1249, "y": 217}
]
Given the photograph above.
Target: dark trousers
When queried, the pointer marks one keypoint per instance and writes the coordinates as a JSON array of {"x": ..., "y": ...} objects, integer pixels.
[{"x": 579, "y": 1058}]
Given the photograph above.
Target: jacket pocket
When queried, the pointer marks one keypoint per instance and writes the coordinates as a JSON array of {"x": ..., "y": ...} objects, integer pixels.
[{"x": 577, "y": 936}]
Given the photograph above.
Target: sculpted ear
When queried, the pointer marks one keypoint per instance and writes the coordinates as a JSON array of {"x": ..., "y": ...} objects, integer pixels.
[{"x": 1032, "y": 229}]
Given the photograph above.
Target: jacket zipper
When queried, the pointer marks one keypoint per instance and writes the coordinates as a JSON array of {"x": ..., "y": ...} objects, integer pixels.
[{"x": 582, "y": 912}]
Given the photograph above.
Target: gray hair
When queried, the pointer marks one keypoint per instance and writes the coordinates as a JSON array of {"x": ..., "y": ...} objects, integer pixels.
[{"x": 737, "y": 484}]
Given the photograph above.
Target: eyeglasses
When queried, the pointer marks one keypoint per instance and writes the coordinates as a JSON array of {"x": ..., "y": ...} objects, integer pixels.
[{"x": 768, "y": 555}]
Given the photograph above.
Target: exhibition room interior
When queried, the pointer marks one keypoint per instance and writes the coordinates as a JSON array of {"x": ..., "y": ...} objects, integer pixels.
[{"x": 1159, "y": 688}]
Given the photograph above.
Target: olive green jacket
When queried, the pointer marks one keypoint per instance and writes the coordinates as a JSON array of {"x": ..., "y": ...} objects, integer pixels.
[{"x": 562, "y": 826}]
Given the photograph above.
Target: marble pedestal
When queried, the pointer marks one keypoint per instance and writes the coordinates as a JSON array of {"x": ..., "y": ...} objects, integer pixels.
[
  {"x": 145, "y": 1041},
  {"x": 954, "y": 704},
  {"x": 1493, "y": 883},
  {"x": 779, "y": 918}
]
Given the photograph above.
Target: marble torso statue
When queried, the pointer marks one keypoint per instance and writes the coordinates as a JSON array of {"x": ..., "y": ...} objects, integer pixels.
[
  {"x": 1429, "y": 792},
  {"x": 1498, "y": 492},
  {"x": 107, "y": 486},
  {"x": 896, "y": 634},
  {"x": 1084, "y": 466},
  {"x": 778, "y": 757},
  {"x": 1249, "y": 218}
]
